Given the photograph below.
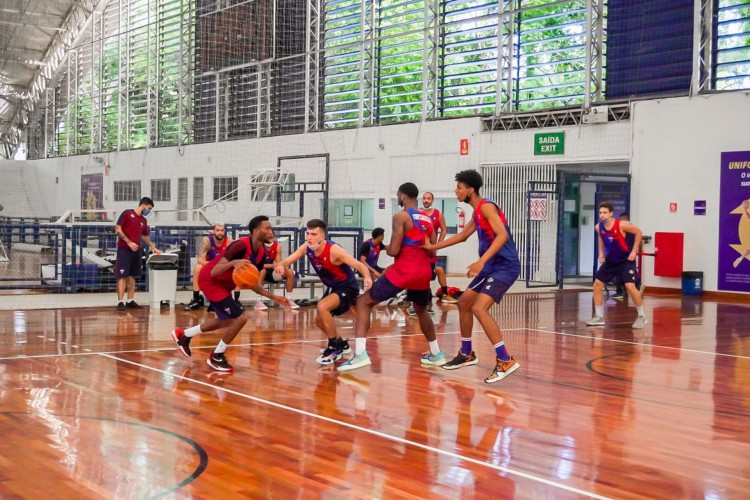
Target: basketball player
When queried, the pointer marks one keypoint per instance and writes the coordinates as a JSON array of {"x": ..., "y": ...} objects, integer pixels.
[
  {"x": 617, "y": 261},
  {"x": 369, "y": 252},
  {"x": 410, "y": 271},
  {"x": 438, "y": 222},
  {"x": 493, "y": 274},
  {"x": 630, "y": 241},
  {"x": 269, "y": 274},
  {"x": 212, "y": 246},
  {"x": 216, "y": 282},
  {"x": 334, "y": 268},
  {"x": 131, "y": 228}
]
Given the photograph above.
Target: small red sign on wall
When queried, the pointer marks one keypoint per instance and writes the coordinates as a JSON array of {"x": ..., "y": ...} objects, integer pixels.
[
  {"x": 464, "y": 147},
  {"x": 673, "y": 207}
]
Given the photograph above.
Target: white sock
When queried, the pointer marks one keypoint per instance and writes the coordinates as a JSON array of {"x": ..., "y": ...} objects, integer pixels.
[
  {"x": 598, "y": 311},
  {"x": 221, "y": 347},
  {"x": 193, "y": 331},
  {"x": 360, "y": 345},
  {"x": 640, "y": 310},
  {"x": 131, "y": 300},
  {"x": 434, "y": 348}
]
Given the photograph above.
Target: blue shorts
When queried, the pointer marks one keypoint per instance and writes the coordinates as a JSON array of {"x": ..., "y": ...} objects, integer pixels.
[
  {"x": 347, "y": 298},
  {"x": 128, "y": 264},
  {"x": 227, "y": 308},
  {"x": 383, "y": 289},
  {"x": 495, "y": 285}
]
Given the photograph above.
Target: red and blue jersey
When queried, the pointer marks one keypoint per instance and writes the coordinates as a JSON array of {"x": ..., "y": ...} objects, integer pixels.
[
  {"x": 272, "y": 251},
  {"x": 411, "y": 268},
  {"x": 371, "y": 253},
  {"x": 435, "y": 218},
  {"x": 214, "y": 250},
  {"x": 506, "y": 259},
  {"x": 216, "y": 288},
  {"x": 615, "y": 245},
  {"x": 332, "y": 275}
]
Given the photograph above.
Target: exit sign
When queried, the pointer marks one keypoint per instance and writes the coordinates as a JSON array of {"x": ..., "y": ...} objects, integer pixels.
[{"x": 551, "y": 143}]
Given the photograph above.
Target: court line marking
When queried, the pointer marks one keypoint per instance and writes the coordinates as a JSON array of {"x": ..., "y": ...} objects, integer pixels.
[
  {"x": 654, "y": 346},
  {"x": 367, "y": 431},
  {"x": 246, "y": 344},
  {"x": 395, "y": 335}
]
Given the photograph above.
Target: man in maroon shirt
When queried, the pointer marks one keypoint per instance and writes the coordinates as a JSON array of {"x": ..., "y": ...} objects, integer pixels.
[{"x": 131, "y": 228}]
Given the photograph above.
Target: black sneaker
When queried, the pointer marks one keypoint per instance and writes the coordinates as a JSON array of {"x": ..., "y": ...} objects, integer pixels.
[
  {"x": 330, "y": 354},
  {"x": 193, "y": 305},
  {"x": 343, "y": 345},
  {"x": 210, "y": 308},
  {"x": 219, "y": 362},
  {"x": 461, "y": 360},
  {"x": 121, "y": 306},
  {"x": 133, "y": 305},
  {"x": 183, "y": 341}
]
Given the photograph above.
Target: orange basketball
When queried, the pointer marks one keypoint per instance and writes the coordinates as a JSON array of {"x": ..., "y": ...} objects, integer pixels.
[{"x": 246, "y": 277}]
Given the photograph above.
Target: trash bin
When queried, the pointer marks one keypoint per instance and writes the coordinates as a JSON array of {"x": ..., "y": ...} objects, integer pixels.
[
  {"x": 692, "y": 283},
  {"x": 162, "y": 279}
]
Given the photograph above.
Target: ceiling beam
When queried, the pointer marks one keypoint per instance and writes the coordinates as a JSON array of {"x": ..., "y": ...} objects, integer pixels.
[{"x": 71, "y": 28}]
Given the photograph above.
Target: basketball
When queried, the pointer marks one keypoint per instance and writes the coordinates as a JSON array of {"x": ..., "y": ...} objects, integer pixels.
[{"x": 246, "y": 277}]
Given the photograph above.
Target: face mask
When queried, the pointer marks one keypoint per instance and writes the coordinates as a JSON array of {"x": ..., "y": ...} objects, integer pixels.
[
  {"x": 146, "y": 212},
  {"x": 268, "y": 245},
  {"x": 400, "y": 201},
  {"x": 315, "y": 246},
  {"x": 606, "y": 221},
  {"x": 468, "y": 197}
]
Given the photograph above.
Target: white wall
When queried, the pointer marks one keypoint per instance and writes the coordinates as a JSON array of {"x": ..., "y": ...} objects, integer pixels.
[
  {"x": 27, "y": 191},
  {"x": 677, "y": 145},
  {"x": 673, "y": 146}
]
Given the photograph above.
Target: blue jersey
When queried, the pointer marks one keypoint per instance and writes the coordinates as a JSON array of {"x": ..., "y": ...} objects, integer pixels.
[
  {"x": 506, "y": 259},
  {"x": 615, "y": 245},
  {"x": 332, "y": 275}
]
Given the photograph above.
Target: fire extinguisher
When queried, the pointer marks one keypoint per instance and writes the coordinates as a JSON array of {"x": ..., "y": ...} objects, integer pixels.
[{"x": 461, "y": 218}]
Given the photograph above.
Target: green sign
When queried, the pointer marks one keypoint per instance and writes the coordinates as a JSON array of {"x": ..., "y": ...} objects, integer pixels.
[{"x": 551, "y": 143}]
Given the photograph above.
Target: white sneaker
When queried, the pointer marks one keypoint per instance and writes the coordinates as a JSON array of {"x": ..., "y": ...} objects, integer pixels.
[
  {"x": 596, "y": 321},
  {"x": 357, "y": 361},
  {"x": 260, "y": 305},
  {"x": 434, "y": 359},
  {"x": 292, "y": 304},
  {"x": 640, "y": 322}
]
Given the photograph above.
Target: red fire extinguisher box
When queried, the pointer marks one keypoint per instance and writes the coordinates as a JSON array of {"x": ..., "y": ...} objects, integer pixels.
[{"x": 669, "y": 254}]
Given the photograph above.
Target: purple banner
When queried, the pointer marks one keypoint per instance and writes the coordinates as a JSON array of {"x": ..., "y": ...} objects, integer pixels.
[
  {"x": 92, "y": 195},
  {"x": 734, "y": 222}
]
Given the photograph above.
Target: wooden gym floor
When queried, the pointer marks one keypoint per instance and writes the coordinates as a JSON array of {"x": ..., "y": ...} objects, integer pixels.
[{"x": 99, "y": 404}]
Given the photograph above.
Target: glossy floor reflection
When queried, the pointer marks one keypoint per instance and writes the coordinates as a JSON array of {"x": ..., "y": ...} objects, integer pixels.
[{"x": 99, "y": 404}]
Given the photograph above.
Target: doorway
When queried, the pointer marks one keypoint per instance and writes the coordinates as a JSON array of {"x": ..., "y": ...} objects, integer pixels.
[{"x": 583, "y": 193}]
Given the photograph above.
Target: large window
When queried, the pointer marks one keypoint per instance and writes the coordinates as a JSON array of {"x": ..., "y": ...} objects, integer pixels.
[
  {"x": 732, "y": 67},
  {"x": 161, "y": 189},
  {"x": 149, "y": 73},
  {"x": 127, "y": 190},
  {"x": 225, "y": 188}
]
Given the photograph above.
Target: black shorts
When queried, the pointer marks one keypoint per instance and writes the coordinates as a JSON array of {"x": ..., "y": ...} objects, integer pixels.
[
  {"x": 626, "y": 271},
  {"x": 271, "y": 277},
  {"x": 227, "y": 308},
  {"x": 347, "y": 298},
  {"x": 383, "y": 289},
  {"x": 128, "y": 263}
]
